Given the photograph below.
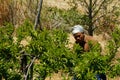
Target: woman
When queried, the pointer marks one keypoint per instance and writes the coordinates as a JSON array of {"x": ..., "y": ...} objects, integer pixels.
[{"x": 85, "y": 41}]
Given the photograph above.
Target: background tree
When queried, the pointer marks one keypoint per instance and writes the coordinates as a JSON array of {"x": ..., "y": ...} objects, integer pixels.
[{"x": 96, "y": 11}]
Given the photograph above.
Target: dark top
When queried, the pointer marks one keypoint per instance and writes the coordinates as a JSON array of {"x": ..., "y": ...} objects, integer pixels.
[{"x": 82, "y": 44}]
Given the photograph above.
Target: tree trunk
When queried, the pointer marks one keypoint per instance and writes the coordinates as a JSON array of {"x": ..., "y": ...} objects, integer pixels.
[
  {"x": 37, "y": 20},
  {"x": 90, "y": 25}
]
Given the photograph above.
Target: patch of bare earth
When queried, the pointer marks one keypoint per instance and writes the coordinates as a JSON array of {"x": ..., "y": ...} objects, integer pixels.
[
  {"x": 62, "y": 4},
  {"x": 59, "y": 76}
]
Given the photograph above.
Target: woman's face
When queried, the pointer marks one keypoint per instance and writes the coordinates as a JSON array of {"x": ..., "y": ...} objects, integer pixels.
[{"x": 79, "y": 37}]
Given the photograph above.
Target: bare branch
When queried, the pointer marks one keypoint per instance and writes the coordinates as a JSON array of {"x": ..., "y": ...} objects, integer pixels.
[
  {"x": 29, "y": 67},
  {"x": 102, "y": 3},
  {"x": 37, "y": 21},
  {"x": 114, "y": 8},
  {"x": 98, "y": 18},
  {"x": 94, "y": 3},
  {"x": 85, "y": 3}
]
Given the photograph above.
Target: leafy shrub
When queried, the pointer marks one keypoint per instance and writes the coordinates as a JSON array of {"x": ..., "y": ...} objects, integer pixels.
[
  {"x": 8, "y": 54},
  {"x": 52, "y": 55},
  {"x": 57, "y": 18},
  {"x": 89, "y": 64}
]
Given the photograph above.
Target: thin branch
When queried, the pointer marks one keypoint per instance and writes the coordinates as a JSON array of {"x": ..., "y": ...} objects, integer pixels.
[
  {"x": 94, "y": 28},
  {"x": 94, "y": 3},
  {"x": 84, "y": 6},
  {"x": 29, "y": 3},
  {"x": 56, "y": 24},
  {"x": 29, "y": 67},
  {"x": 37, "y": 21},
  {"x": 85, "y": 3},
  {"x": 98, "y": 18},
  {"x": 102, "y": 3},
  {"x": 114, "y": 8}
]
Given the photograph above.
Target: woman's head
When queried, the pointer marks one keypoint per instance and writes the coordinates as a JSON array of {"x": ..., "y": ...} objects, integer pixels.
[
  {"x": 77, "y": 28},
  {"x": 78, "y": 33}
]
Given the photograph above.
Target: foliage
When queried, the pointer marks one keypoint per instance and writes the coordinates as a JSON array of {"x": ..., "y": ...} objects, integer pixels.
[
  {"x": 8, "y": 54},
  {"x": 49, "y": 46},
  {"x": 57, "y": 18},
  {"x": 52, "y": 54},
  {"x": 98, "y": 15},
  {"x": 113, "y": 51},
  {"x": 89, "y": 64}
]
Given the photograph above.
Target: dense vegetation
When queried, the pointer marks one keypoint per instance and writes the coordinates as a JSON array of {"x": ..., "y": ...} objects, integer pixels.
[
  {"x": 26, "y": 53},
  {"x": 48, "y": 48}
]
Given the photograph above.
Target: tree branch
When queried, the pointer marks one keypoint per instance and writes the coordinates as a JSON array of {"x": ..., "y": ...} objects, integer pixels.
[
  {"x": 85, "y": 3},
  {"x": 102, "y": 3},
  {"x": 98, "y": 18},
  {"x": 94, "y": 3},
  {"x": 37, "y": 21},
  {"x": 29, "y": 67}
]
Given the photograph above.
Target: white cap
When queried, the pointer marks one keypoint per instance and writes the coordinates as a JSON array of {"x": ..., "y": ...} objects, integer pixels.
[{"x": 77, "y": 28}]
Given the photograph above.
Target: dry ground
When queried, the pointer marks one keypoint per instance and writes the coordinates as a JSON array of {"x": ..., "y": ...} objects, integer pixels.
[{"x": 62, "y": 4}]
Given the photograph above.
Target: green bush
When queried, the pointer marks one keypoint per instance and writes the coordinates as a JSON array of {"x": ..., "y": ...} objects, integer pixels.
[
  {"x": 57, "y": 18},
  {"x": 49, "y": 48},
  {"x": 8, "y": 54}
]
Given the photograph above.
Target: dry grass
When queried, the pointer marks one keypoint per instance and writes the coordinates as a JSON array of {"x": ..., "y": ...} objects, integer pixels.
[
  {"x": 62, "y": 4},
  {"x": 59, "y": 76},
  {"x": 4, "y": 11},
  {"x": 16, "y": 11}
]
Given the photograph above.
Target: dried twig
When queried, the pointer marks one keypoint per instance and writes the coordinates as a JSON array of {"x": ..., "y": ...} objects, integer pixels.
[{"x": 29, "y": 67}]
